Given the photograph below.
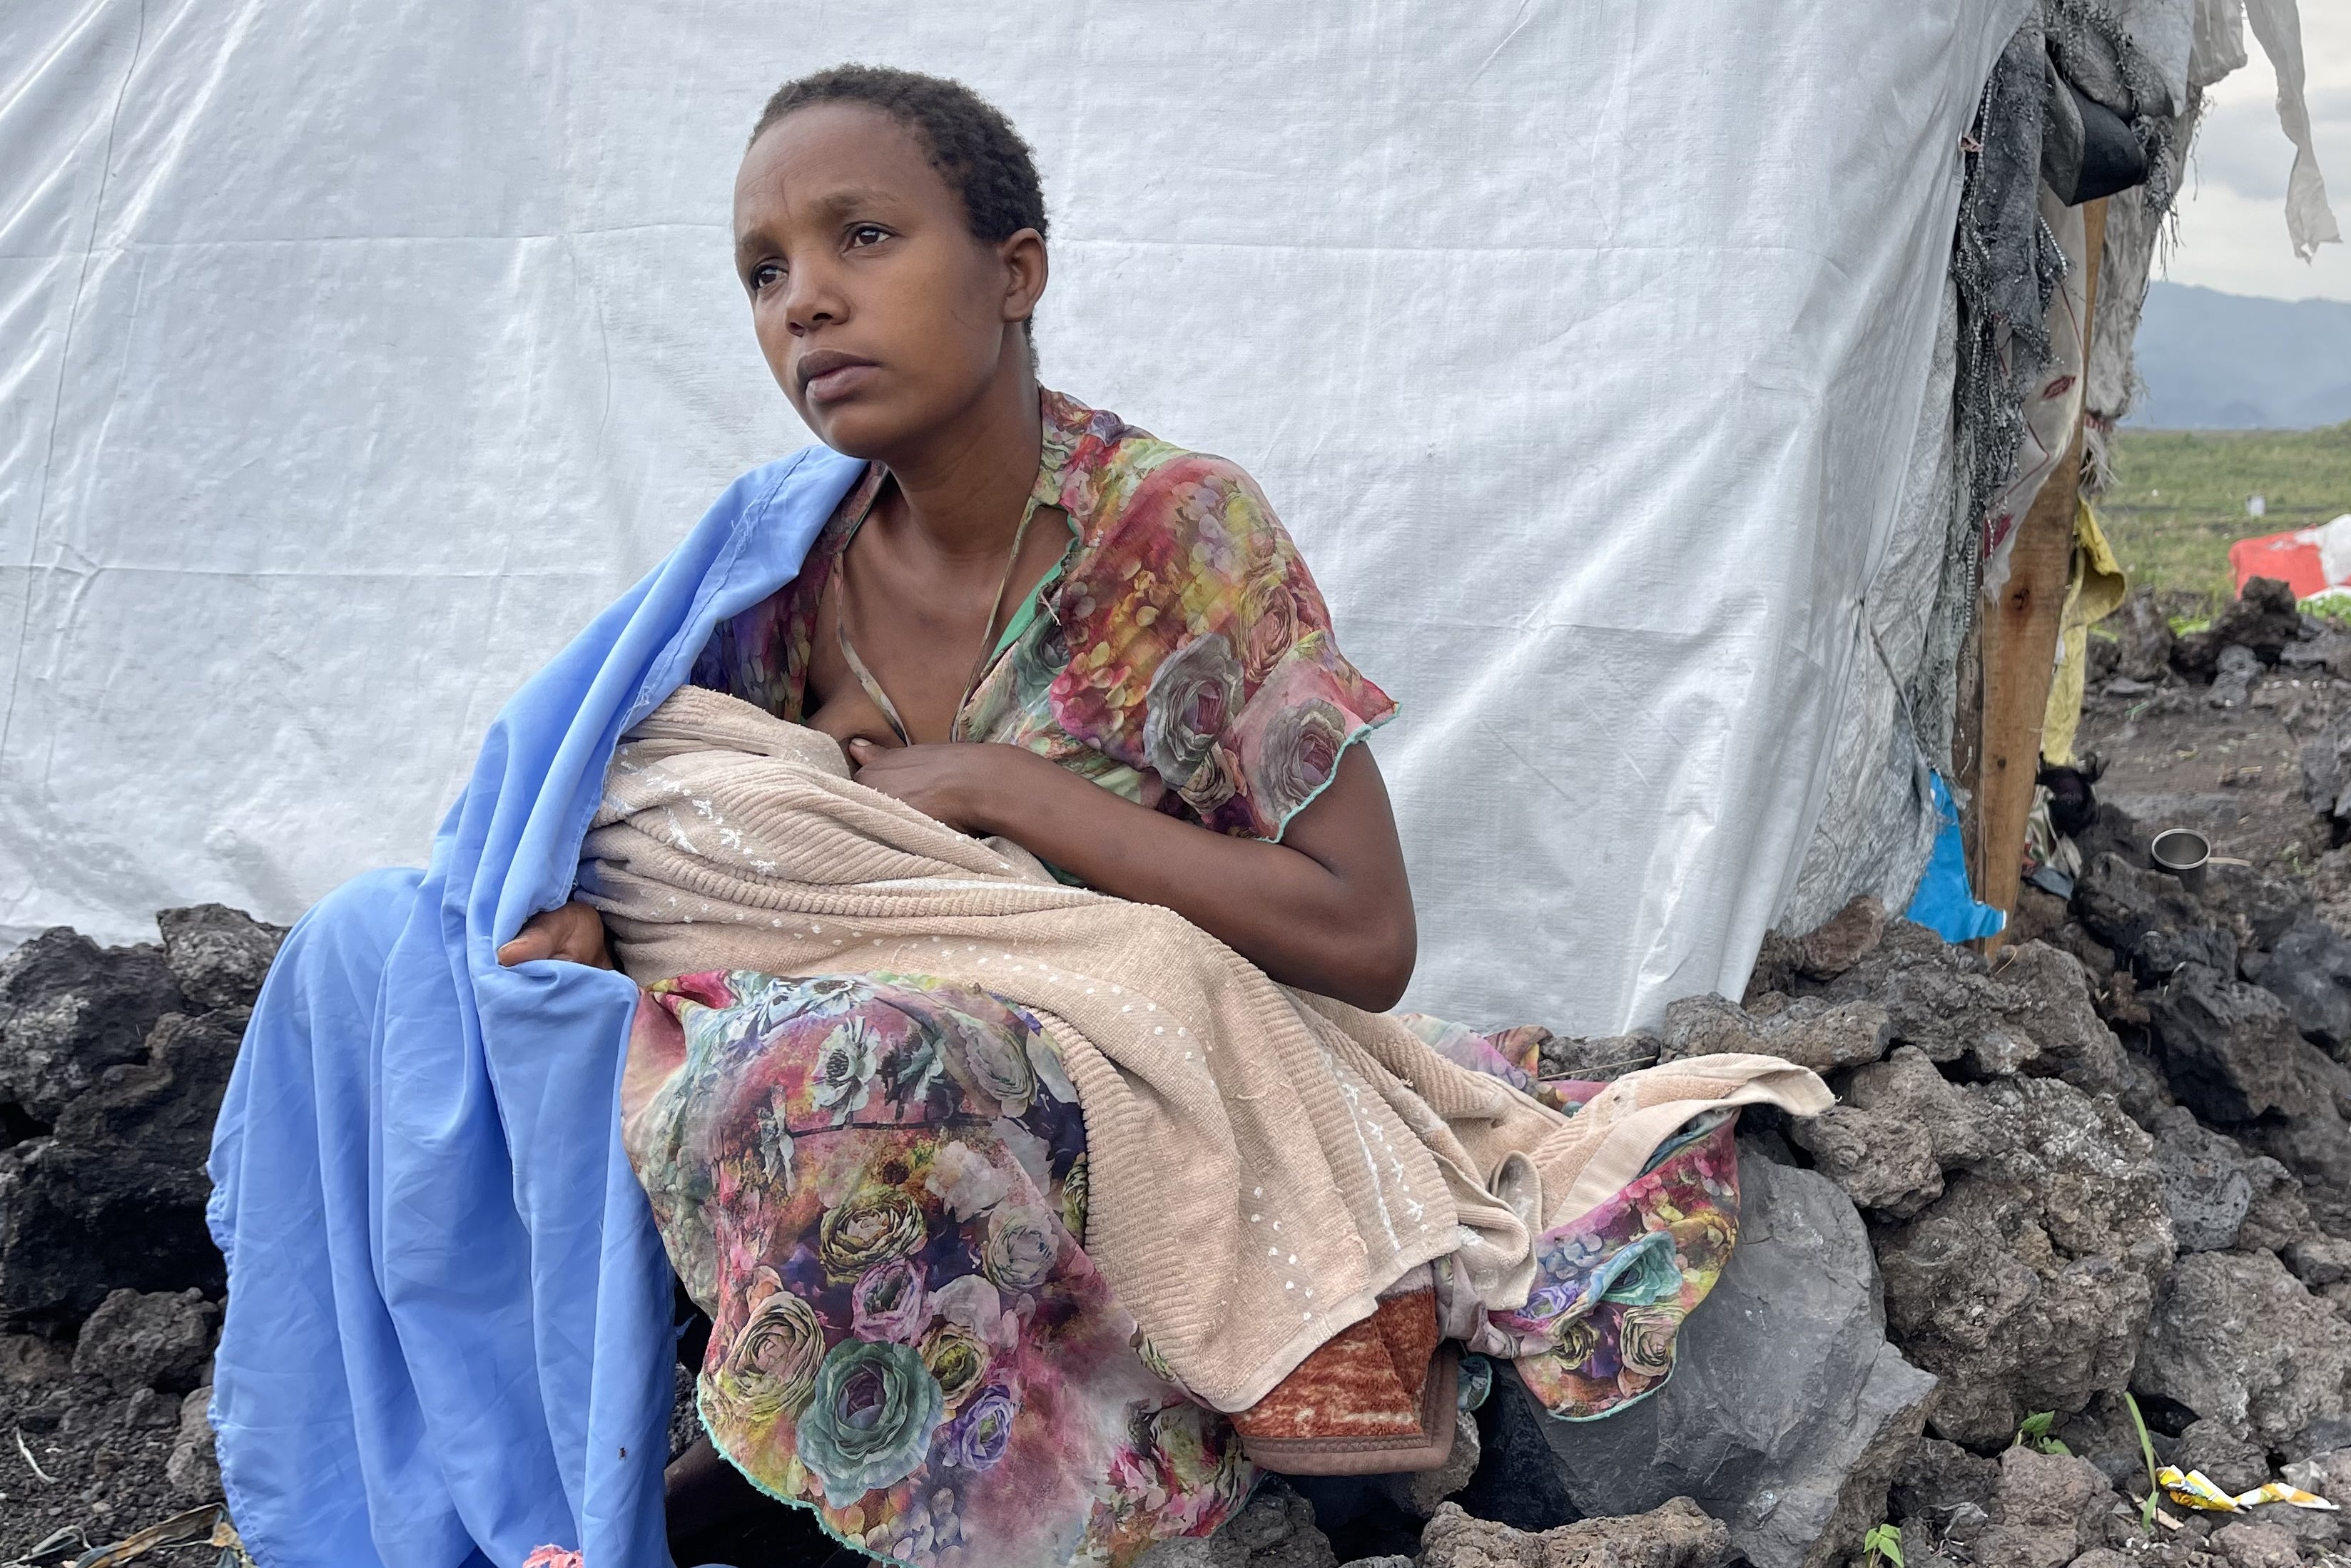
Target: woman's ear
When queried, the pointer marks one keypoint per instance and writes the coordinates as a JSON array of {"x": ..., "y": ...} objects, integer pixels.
[{"x": 1025, "y": 270}]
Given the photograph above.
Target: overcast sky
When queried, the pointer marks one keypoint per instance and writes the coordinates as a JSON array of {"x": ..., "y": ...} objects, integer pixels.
[{"x": 2232, "y": 204}]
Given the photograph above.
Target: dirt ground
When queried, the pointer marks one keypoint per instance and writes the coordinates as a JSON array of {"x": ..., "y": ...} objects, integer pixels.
[{"x": 2174, "y": 761}]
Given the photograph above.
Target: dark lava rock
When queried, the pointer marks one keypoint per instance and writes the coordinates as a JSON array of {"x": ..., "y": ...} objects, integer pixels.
[
  {"x": 70, "y": 1010},
  {"x": 1788, "y": 1412},
  {"x": 2317, "y": 1262},
  {"x": 2104, "y": 1434},
  {"x": 2049, "y": 1509},
  {"x": 2238, "y": 1340},
  {"x": 1821, "y": 953},
  {"x": 1600, "y": 1059},
  {"x": 2309, "y": 969},
  {"x": 2267, "y": 906},
  {"x": 1937, "y": 1479},
  {"x": 2263, "y": 618},
  {"x": 2326, "y": 772},
  {"x": 2243, "y": 1543},
  {"x": 1676, "y": 1534},
  {"x": 2238, "y": 671},
  {"x": 2143, "y": 637},
  {"x": 2230, "y": 1050},
  {"x": 2208, "y": 1181},
  {"x": 194, "y": 1467},
  {"x": 1808, "y": 1032},
  {"x": 2312, "y": 1140},
  {"x": 1517, "y": 1481},
  {"x": 218, "y": 954},
  {"x": 152, "y": 1341},
  {"x": 115, "y": 1197},
  {"x": 2031, "y": 1011},
  {"x": 1900, "y": 1127},
  {"x": 2149, "y": 921},
  {"x": 2027, "y": 1284},
  {"x": 2114, "y": 831}
]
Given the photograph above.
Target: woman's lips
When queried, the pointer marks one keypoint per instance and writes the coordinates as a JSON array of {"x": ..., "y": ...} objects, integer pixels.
[{"x": 836, "y": 382}]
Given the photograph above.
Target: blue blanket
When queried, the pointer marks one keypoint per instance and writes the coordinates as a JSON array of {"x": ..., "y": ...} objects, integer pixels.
[{"x": 449, "y": 1336}]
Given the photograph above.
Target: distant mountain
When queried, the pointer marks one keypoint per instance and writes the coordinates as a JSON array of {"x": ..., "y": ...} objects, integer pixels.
[{"x": 2226, "y": 361}]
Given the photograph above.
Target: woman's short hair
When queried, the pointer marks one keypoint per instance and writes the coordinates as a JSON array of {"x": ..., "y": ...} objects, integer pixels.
[{"x": 972, "y": 145}]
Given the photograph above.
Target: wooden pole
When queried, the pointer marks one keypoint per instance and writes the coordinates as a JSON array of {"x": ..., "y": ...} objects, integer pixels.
[{"x": 2019, "y": 644}]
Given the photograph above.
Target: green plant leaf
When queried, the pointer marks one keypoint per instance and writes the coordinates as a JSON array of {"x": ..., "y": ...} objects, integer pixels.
[
  {"x": 1884, "y": 1543},
  {"x": 2147, "y": 1452}
]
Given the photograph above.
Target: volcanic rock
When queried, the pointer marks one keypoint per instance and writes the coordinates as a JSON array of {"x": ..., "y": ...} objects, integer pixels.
[
  {"x": 1788, "y": 1412},
  {"x": 1900, "y": 1126},
  {"x": 1807, "y": 1031},
  {"x": 1275, "y": 1531},
  {"x": 2050, "y": 1507},
  {"x": 218, "y": 954},
  {"x": 2149, "y": 921},
  {"x": 1517, "y": 1481},
  {"x": 1938, "y": 1478},
  {"x": 70, "y": 1010},
  {"x": 2026, "y": 1286},
  {"x": 2244, "y": 1544},
  {"x": 2208, "y": 1181},
  {"x": 153, "y": 1340},
  {"x": 1599, "y": 1059},
  {"x": 2030, "y": 1013},
  {"x": 1676, "y": 1534},
  {"x": 2238, "y": 671},
  {"x": 2309, "y": 969},
  {"x": 115, "y": 1197},
  {"x": 2237, "y": 1339},
  {"x": 2143, "y": 637},
  {"x": 194, "y": 1468},
  {"x": 1821, "y": 953},
  {"x": 2263, "y": 618},
  {"x": 2226, "y": 1456},
  {"x": 2230, "y": 1050},
  {"x": 2260, "y": 907}
]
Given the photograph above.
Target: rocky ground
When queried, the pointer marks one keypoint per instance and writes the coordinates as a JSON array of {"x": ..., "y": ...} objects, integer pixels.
[
  {"x": 112, "y": 1063},
  {"x": 2105, "y": 1170}
]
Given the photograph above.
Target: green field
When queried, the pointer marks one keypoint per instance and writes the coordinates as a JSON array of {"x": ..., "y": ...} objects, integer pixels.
[{"x": 2177, "y": 500}]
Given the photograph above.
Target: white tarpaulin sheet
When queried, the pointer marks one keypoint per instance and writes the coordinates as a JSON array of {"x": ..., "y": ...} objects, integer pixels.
[{"x": 355, "y": 355}]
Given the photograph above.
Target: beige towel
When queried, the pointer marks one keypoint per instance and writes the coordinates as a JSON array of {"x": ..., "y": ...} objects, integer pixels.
[{"x": 1261, "y": 1162}]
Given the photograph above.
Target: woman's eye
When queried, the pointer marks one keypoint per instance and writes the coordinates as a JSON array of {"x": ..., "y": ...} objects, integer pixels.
[{"x": 867, "y": 234}]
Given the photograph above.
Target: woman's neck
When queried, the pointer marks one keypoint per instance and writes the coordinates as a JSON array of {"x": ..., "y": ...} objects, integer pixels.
[{"x": 964, "y": 492}]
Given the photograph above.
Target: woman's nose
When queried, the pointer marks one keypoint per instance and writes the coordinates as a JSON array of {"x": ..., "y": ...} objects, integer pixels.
[{"x": 809, "y": 299}]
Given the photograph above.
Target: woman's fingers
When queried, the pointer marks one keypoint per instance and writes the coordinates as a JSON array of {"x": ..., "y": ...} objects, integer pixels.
[
  {"x": 532, "y": 941},
  {"x": 574, "y": 934}
]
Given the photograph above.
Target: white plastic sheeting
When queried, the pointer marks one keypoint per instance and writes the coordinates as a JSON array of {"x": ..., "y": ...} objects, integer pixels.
[{"x": 355, "y": 355}]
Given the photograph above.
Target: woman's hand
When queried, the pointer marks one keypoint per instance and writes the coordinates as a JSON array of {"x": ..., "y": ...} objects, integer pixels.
[
  {"x": 1328, "y": 909},
  {"x": 965, "y": 784},
  {"x": 574, "y": 934}
]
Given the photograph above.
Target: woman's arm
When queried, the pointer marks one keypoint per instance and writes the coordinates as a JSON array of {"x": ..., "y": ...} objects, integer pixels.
[{"x": 1328, "y": 909}]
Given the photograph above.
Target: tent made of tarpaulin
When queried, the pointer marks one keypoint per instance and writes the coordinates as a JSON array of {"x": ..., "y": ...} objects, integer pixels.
[{"x": 356, "y": 356}]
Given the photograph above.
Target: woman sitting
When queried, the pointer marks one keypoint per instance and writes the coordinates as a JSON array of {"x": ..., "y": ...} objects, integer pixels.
[
  {"x": 446, "y": 1334},
  {"x": 1029, "y": 619}
]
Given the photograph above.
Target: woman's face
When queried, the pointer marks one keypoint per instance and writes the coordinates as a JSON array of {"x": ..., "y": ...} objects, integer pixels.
[{"x": 880, "y": 314}]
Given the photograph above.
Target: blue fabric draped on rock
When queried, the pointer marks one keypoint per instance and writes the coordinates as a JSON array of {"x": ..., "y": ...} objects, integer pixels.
[{"x": 448, "y": 1332}]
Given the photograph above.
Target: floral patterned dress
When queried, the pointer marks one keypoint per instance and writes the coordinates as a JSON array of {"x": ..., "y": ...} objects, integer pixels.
[
  {"x": 875, "y": 1185},
  {"x": 1180, "y": 656}
]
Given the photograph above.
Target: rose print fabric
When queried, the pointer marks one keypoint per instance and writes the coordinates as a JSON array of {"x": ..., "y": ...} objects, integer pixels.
[
  {"x": 1599, "y": 1328},
  {"x": 876, "y": 1187},
  {"x": 1181, "y": 656}
]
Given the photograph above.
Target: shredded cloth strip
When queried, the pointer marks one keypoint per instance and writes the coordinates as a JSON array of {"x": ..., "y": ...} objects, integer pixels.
[{"x": 1214, "y": 1101}]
